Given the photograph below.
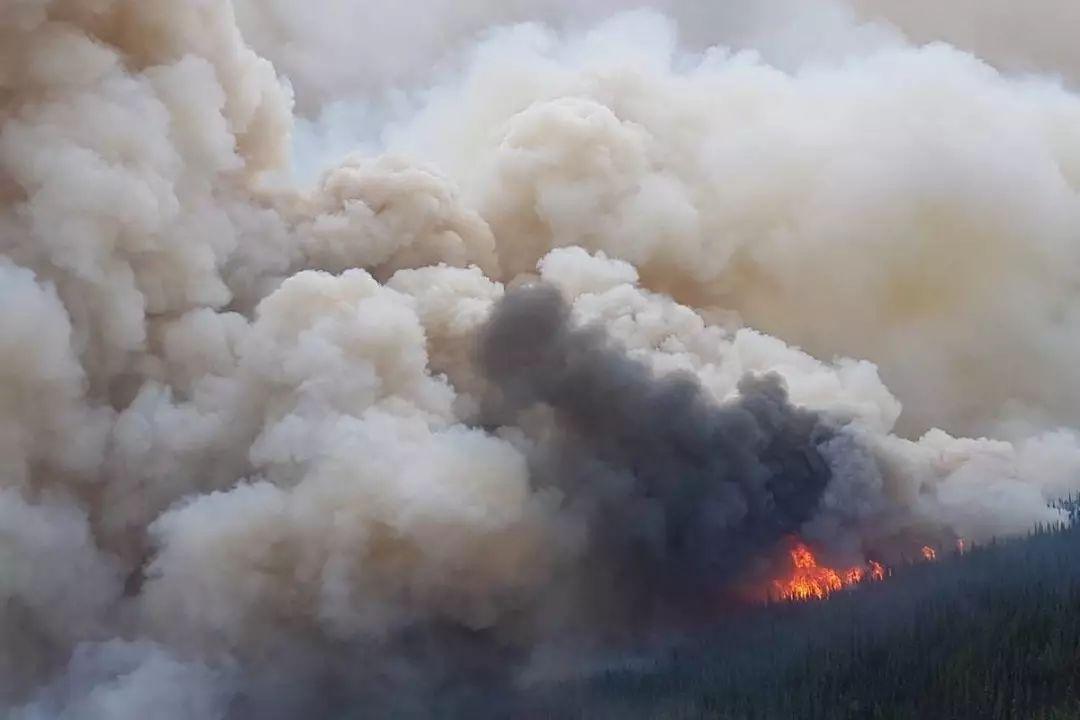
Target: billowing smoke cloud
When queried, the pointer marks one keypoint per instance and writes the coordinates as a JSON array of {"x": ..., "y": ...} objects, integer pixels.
[
  {"x": 1032, "y": 38},
  {"x": 678, "y": 493},
  {"x": 269, "y": 451},
  {"x": 732, "y": 184},
  {"x": 359, "y": 47}
]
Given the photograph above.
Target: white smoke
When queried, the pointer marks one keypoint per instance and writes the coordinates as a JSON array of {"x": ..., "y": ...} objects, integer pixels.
[
  {"x": 1033, "y": 37},
  {"x": 933, "y": 190},
  {"x": 235, "y": 414}
]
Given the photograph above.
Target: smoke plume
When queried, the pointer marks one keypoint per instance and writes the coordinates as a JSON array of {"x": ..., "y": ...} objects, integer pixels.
[
  {"x": 677, "y": 493},
  {"x": 361, "y": 348}
]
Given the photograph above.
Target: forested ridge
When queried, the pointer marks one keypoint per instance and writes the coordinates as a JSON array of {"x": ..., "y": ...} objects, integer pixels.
[{"x": 990, "y": 634}]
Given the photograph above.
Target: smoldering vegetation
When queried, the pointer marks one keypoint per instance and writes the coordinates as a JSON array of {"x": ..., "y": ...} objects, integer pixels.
[{"x": 993, "y": 633}]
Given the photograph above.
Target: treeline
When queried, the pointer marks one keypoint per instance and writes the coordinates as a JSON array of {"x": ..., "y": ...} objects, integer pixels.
[{"x": 993, "y": 634}]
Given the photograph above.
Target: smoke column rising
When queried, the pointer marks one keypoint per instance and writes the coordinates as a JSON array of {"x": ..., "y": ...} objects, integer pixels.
[
  {"x": 678, "y": 493},
  {"x": 269, "y": 450}
]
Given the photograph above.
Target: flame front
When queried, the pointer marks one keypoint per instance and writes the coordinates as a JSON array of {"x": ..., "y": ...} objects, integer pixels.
[{"x": 809, "y": 580}]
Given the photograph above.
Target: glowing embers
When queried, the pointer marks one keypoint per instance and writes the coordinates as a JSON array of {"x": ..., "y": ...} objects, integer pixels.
[{"x": 809, "y": 580}]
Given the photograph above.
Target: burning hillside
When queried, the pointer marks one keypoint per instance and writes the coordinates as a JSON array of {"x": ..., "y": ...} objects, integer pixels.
[
  {"x": 809, "y": 580},
  {"x": 586, "y": 326}
]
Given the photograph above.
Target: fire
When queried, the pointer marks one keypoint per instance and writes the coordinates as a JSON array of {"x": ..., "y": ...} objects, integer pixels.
[{"x": 810, "y": 580}]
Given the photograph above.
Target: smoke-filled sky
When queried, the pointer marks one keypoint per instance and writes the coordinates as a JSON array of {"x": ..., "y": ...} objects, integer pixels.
[{"x": 355, "y": 357}]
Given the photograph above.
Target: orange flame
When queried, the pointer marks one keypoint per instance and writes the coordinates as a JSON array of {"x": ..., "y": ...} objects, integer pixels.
[
  {"x": 810, "y": 580},
  {"x": 929, "y": 553}
]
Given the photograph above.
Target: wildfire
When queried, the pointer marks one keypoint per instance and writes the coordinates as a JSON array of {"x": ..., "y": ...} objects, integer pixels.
[{"x": 810, "y": 580}]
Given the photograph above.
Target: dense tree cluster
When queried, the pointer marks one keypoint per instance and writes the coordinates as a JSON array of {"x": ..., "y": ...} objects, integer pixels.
[{"x": 990, "y": 634}]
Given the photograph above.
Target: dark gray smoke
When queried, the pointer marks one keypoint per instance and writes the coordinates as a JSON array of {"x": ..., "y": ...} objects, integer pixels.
[{"x": 679, "y": 493}]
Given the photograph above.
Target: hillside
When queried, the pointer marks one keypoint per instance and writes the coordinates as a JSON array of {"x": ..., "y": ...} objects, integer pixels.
[{"x": 992, "y": 634}]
